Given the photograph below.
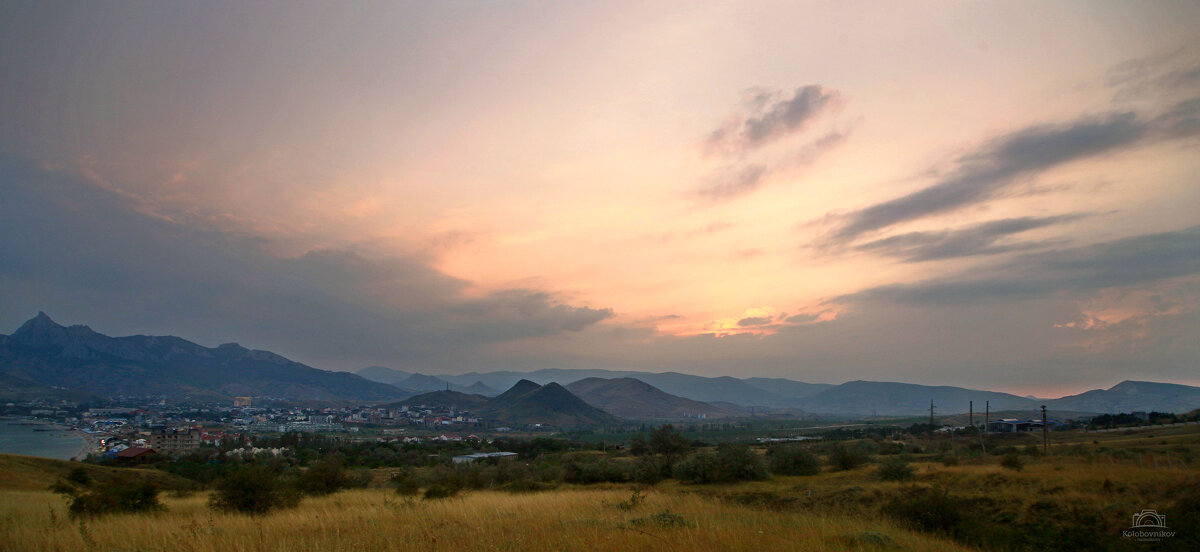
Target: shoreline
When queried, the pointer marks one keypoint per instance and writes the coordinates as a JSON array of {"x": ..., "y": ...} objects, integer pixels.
[{"x": 91, "y": 442}]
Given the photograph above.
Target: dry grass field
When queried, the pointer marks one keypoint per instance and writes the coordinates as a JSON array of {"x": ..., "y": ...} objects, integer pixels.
[
  {"x": 375, "y": 519},
  {"x": 1079, "y": 497}
]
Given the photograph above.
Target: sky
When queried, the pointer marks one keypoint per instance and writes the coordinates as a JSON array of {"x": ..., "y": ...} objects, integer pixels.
[{"x": 994, "y": 195}]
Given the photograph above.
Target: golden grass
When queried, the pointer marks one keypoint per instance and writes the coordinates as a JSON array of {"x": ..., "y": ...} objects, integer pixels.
[
  {"x": 30, "y": 473},
  {"x": 568, "y": 519}
]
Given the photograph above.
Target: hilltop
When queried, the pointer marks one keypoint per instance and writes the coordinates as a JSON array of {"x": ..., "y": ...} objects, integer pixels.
[
  {"x": 635, "y": 399},
  {"x": 76, "y": 358},
  {"x": 529, "y": 403}
]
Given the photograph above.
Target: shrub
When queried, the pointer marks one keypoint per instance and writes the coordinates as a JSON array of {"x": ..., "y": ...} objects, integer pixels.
[
  {"x": 636, "y": 499},
  {"x": 896, "y": 469},
  {"x": 664, "y": 519},
  {"x": 925, "y": 509},
  {"x": 79, "y": 476},
  {"x": 697, "y": 468},
  {"x": 847, "y": 458},
  {"x": 587, "y": 470},
  {"x": 793, "y": 460},
  {"x": 739, "y": 463},
  {"x": 729, "y": 464},
  {"x": 441, "y": 490},
  {"x": 322, "y": 478},
  {"x": 121, "y": 494},
  {"x": 648, "y": 470},
  {"x": 405, "y": 484},
  {"x": 1012, "y": 462},
  {"x": 252, "y": 490}
]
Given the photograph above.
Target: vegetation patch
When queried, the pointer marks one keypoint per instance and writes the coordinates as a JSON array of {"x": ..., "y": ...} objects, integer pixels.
[
  {"x": 665, "y": 519},
  {"x": 119, "y": 495}
]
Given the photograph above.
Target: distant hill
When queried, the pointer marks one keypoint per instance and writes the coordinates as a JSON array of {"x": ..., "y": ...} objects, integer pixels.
[
  {"x": 478, "y": 388},
  {"x": 634, "y": 399},
  {"x": 1132, "y": 396},
  {"x": 383, "y": 374},
  {"x": 864, "y": 398},
  {"x": 446, "y": 399},
  {"x": 788, "y": 388},
  {"x": 422, "y": 382},
  {"x": 698, "y": 388},
  {"x": 524, "y": 403},
  {"x": 529, "y": 403},
  {"x": 78, "y": 359}
]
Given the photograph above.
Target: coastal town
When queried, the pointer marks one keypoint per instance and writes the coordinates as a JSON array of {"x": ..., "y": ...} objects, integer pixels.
[{"x": 133, "y": 426}]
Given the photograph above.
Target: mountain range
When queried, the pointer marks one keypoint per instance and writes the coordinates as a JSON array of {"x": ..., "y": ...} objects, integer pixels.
[
  {"x": 43, "y": 358},
  {"x": 854, "y": 399},
  {"x": 77, "y": 359},
  {"x": 418, "y": 382}
]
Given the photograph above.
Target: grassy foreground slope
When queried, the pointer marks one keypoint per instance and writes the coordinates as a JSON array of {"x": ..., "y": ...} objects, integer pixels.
[
  {"x": 30, "y": 473},
  {"x": 375, "y": 519}
]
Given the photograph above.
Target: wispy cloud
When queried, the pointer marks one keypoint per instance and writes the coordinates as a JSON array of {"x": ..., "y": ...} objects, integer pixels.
[
  {"x": 1000, "y": 164},
  {"x": 767, "y": 117},
  {"x": 979, "y": 239},
  {"x": 1126, "y": 262},
  {"x": 771, "y": 115}
]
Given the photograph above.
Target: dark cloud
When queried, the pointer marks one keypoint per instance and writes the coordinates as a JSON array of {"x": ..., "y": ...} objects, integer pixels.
[
  {"x": 996, "y": 166},
  {"x": 802, "y": 318},
  {"x": 86, "y": 256},
  {"x": 772, "y": 116},
  {"x": 980, "y": 239},
  {"x": 754, "y": 321},
  {"x": 1137, "y": 260}
]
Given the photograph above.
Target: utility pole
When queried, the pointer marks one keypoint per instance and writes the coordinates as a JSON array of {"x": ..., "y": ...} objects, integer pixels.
[
  {"x": 971, "y": 414},
  {"x": 987, "y": 411},
  {"x": 1045, "y": 433},
  {"x": 930, "y": 414}
]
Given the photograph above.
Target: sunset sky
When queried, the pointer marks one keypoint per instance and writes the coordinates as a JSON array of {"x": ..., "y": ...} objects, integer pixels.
[{"x": 1001, "y": 195}]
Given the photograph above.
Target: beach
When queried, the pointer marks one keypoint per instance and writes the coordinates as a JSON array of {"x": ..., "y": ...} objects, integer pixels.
[{"x": 32, "y": 437}]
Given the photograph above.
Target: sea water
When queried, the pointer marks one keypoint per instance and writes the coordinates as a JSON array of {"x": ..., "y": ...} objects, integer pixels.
[{"x": 20, "y": 436}]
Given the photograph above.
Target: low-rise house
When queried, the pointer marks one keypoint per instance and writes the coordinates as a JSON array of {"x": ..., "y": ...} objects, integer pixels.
[{"x": 134, "y": 454}]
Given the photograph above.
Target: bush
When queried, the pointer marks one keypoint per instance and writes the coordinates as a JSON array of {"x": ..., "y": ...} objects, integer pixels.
[
  {"x": 648, "y": 470},
  {"x": 896, "y": 469},
  {"x": 847, "y": 458},
  {"x": 925, "y": 509},
  {"x": 441, "y": 490},
  {"x": 793, "y": 460},
  {"x": 322, "y": 478},
  {"x": 588, "y": 470},
  {"x": 730, "y": 463},
  {"x": 121, "y": 494},
  {"x": 1012, "y": 462},
  {"x": 697, "y": 468},
  {"x": 405, "y": 484},
  {"x": 79, "y": 476},
  {"x": 252, "y": 490}
]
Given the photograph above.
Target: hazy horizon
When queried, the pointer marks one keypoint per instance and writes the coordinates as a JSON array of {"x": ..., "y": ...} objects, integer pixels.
[{"x": 992, "y": 195}]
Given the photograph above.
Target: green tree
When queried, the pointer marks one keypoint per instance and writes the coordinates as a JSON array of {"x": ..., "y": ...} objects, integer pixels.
[
  {"x": 793, "y": 460},
  {"x": 668, "y": 442},
  {"x": 252, "y": 490}
]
